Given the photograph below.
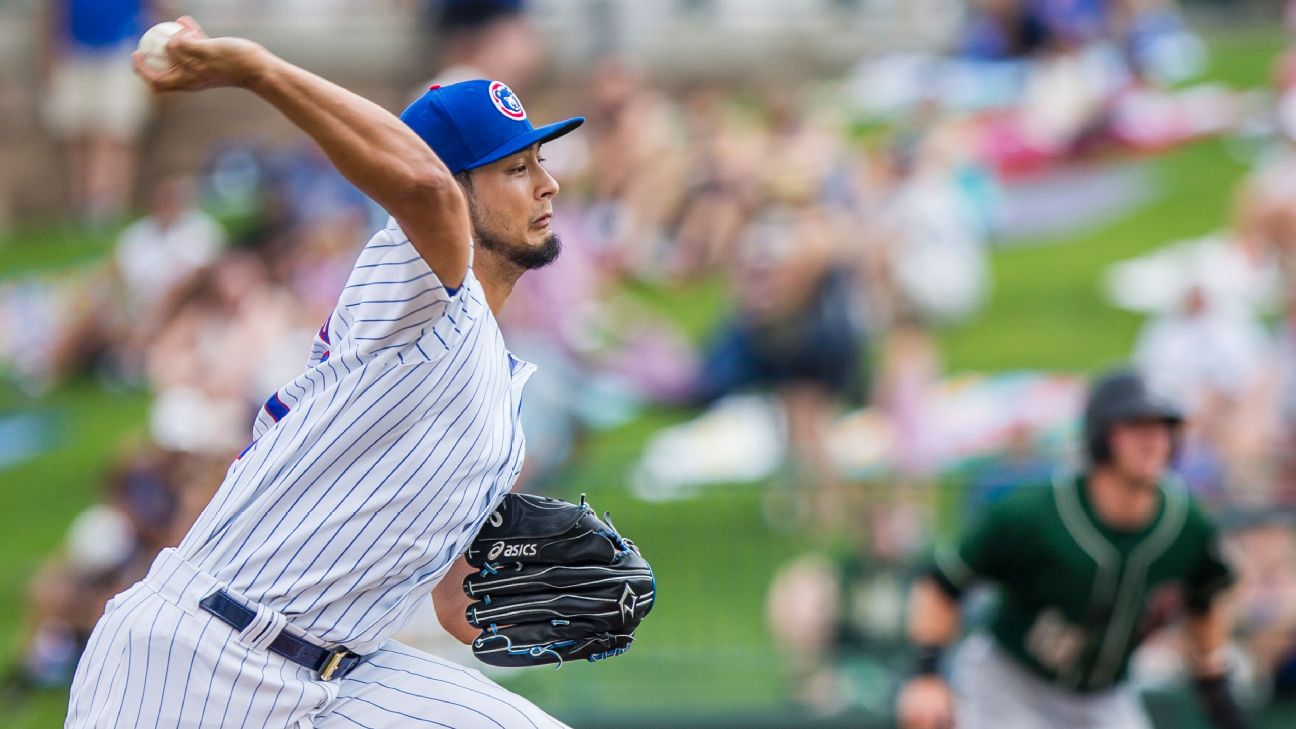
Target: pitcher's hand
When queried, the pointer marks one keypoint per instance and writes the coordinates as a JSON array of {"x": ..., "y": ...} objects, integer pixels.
[{"x": 200, "y": 62}]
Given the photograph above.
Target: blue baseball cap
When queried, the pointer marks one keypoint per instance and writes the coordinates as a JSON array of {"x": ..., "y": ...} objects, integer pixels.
[{"x": 474, "y": 123}]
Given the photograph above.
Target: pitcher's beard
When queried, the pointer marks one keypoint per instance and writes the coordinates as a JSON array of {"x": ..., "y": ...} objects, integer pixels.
[{"x": 523, "y": 256}]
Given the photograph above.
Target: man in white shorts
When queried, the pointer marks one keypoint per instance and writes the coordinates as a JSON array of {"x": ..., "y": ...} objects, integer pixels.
[
  {"x": 94, "y": 105},
  {"x": 371, "y": 472}
]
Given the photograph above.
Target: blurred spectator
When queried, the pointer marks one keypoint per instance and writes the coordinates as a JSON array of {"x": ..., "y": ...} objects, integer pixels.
[
  {"x": 636, "y": 162},
  {"x": 837, "y": 618},
  {"x": 1264, "y": 555},
  {"x": 156, "y": 254},
  {"x": 796, "y": 329},
  {"x": 1158, "y": 42},
  {"x": 1217, "y": 361},
  {"x": 210, "y": 362},
  {"x": 37, "y": 312},
  {"x": 1265, "y": 211},
  {"x": 998, "y": 29},
  {"x": 932, "y": 229},
  {"x": 120, "y": 308},
  {"x": 1204, "y": 353},
  {"x": 160, "y": 250},
  {"x": 1150, "y": 32},
  {"x": 95, "y": 104},
  {"x": 716, "y": 199},
  {"x": 1285, "y": 402},
  {"x": 492, "y": 39},
  {"x": 151, "y": 498}
]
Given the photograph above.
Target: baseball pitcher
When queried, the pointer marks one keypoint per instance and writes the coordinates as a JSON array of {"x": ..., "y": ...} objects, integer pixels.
[{"x": 382, "y": 469}]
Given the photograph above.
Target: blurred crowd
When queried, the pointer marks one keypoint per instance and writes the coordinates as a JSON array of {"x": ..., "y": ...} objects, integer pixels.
[
  {"x": 840, "y": 225},
  {"x": 1216, "y": 336}
]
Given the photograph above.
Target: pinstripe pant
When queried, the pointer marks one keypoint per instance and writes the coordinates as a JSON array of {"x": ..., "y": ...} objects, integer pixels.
[{"x": 158, "y": 660}]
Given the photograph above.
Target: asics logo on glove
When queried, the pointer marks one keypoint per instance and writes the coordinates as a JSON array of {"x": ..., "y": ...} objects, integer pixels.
[{"x": 499, "y": 549}]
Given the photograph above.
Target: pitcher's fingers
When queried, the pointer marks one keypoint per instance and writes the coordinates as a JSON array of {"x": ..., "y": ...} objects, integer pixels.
[
  {"x": 182, "y": 44},
  {"x": 170, "y": 78},
  {"x": 145, "y": 71},
  {"x": 191, "y": 25}
]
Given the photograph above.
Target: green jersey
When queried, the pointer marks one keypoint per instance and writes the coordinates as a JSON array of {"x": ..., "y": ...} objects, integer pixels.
[{"x": 1077, "y": 596}]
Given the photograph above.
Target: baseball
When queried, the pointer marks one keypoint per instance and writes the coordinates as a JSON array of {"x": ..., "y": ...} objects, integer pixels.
[{"x": 153, "y": 45}]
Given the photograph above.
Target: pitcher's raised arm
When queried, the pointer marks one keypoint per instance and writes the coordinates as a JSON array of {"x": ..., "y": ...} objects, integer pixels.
[{"x": 370, "y": 146}]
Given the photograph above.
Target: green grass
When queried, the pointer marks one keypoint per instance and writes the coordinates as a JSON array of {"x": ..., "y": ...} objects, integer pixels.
[
  {"x": 1046, "y": 310},
  {"x": 1245, "y": 58},
  {"x": 705, "y": 647},
  {"x": 51, "y": 247}
]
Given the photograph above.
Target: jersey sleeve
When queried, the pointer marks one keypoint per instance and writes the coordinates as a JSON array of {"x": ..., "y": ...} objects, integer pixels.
[
  {"x": 1211, "y": 573},
  {"x": 989, "y": 550},
  {"x": 394, "y": 302}
]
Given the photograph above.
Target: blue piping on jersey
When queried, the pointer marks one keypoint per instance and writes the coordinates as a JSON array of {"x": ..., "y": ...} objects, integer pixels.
[{"x": 276, "y": 408}]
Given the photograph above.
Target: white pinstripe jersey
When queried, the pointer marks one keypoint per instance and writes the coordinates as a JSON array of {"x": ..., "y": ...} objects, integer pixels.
[{"x": 372, "y": 470}]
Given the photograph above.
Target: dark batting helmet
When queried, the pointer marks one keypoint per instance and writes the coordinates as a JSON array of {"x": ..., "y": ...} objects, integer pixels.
[{"x": 1121, "y": 396}]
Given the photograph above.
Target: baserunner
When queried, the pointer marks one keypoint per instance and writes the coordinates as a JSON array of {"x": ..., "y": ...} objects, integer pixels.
[{"x": 1085, "y": 567}]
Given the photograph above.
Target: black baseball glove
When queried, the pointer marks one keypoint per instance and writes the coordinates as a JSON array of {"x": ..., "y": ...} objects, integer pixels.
[{"x": 554, "y": 583}]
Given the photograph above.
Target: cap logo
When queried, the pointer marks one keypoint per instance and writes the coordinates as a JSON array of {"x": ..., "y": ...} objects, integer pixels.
[{"x": 506, "y": 101}]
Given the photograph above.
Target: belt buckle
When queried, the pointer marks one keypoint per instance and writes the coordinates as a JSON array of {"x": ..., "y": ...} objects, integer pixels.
[{"x": 331, "y": 665}]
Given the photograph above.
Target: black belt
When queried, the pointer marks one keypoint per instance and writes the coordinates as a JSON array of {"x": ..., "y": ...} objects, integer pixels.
[{"x": 329, "y": 664}]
